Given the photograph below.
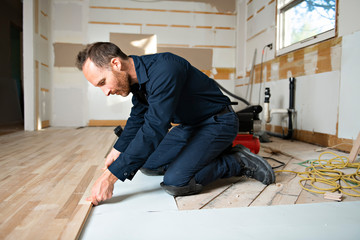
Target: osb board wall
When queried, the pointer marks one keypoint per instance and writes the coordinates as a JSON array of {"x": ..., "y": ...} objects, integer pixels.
[{"x": 318, "y": 58}]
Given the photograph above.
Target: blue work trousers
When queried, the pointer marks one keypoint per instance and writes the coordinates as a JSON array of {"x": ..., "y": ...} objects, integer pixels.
[{"x": 197, "y": 151}]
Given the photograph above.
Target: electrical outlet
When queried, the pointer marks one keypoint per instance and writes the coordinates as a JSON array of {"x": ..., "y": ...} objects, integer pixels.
[{"x": 270, "y": 46}]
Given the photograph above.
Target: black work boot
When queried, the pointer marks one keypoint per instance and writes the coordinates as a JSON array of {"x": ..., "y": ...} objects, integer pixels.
[
  {"x": 253, "y": 165},
  {"x": 190, "y": 189}
]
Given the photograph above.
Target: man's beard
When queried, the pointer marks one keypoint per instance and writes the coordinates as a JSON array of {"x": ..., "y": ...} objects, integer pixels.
[{"x": 123, "y": 83}]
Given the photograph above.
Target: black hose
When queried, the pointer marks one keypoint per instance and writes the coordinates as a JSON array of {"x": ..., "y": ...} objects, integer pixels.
[
  {"x": 290, "y": 112},
  {"x": 291, "y": 107},
  {"x": 232, "y": 95}
]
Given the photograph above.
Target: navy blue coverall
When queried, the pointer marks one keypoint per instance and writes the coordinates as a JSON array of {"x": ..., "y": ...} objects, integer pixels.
[{"x": 171, "y": 90}]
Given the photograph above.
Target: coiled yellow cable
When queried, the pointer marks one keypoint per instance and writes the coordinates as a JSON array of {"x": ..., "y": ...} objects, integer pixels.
[{"x": 327, "y": 172}]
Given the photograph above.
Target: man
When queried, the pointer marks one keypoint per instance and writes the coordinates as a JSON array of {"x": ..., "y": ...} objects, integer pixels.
[{"x": 167, "y": 89}]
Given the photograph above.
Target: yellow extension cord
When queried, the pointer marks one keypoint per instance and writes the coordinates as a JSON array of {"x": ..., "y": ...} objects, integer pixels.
[{"x": 325, "y": 171}]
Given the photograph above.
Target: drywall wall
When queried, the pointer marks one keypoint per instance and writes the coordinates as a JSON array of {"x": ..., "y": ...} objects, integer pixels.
[
  {"x": 349, "y": 114},
  {"x": 29, "y": 67},
  {"x": 194, "y": 27},
  {"x": 188, "y": 27},
  {"x": 37, "y": 57},
  {"x": 348, "y": 18},
  {"x": 240, "y": 39},
  {"x": 70, "y": 98},
  {"x": 325, "y": 72}
]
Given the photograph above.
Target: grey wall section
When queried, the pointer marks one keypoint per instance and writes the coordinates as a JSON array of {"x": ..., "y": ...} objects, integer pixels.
[{"x": 10, "y": 107}]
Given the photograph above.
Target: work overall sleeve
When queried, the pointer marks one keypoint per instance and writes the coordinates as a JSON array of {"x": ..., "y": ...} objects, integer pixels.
[
  {"x": 164, "y": 90},
  {"x": 133, "y": 124}
]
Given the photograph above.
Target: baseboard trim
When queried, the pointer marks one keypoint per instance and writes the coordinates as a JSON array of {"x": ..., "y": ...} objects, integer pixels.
[
  {"x": 45, "y": 124},
  {"x": 106, "y": 123},
  {"x": 321, "y": 139}
]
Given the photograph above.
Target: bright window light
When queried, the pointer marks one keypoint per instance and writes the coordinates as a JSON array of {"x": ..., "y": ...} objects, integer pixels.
[{"x": 304, "y": 22}]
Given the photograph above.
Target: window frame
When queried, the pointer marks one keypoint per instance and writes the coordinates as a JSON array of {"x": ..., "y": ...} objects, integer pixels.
[{"x": 305, "y": 42}]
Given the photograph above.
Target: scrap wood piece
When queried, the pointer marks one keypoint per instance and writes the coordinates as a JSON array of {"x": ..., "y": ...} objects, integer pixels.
[
  {"x": 333, "y": 196},
  {"x": 271, "y": 150},
  {"x": 355, "y": 149}
]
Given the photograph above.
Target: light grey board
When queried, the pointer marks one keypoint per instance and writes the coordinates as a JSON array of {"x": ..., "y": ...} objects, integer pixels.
[
  {"x": 142, "y": 194},
  {"x": 303, "y": 221}
]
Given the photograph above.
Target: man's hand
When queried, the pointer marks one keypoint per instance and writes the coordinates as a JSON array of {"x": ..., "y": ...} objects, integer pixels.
[
  {"x": 111, "y": 157},
  {"x": 103, "y": 188}
]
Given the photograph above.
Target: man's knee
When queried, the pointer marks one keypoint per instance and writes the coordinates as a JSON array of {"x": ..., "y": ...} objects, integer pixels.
[
  {"x": 190, "y": 189},
  {"x": 153, "y": 172}
]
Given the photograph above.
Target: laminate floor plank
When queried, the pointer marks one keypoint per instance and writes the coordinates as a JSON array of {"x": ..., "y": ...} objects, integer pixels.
[{"x": 45, "y": 177}]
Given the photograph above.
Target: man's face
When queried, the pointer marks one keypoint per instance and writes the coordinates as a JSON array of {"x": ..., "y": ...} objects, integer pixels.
[{"x": 112, "y": 81}]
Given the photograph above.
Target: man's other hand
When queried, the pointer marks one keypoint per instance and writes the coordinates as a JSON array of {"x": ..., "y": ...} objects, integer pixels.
[
  {"x": 111, "y": 157},
  {"x": 103, "y": 188}
]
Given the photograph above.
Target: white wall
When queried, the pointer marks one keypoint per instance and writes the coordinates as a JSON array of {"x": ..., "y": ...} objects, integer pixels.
[
  {"x": 349, "y": 29},
  {"x": 36, "y": 61},
  {"x": 324, "y": 102},
  {"x": 188, "y": 24},
  {"x": 349, "y": 114},
  {"x": 70, "y": 98},
  {"x": 29, "y": 68}
]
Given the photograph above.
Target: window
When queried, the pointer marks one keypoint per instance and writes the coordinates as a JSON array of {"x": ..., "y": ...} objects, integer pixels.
[{"x": 304, "y": 22}]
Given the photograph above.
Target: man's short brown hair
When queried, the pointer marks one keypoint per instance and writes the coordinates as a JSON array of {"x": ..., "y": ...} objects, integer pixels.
[{"x": 100, "y": 53}]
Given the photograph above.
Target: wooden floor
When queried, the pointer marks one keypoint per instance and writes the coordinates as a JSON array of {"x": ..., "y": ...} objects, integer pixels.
[
  {"x": 244, "y": 192},
  {"x": 46, "y": 175},
  {"x": 44, "y": 178}
]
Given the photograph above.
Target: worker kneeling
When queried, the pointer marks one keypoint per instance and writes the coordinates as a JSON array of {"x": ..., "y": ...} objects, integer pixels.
[{"x": 168, "y": 89}]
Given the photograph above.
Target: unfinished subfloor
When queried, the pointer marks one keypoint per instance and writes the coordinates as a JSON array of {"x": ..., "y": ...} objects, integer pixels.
[{"x": 46, "y": 175}]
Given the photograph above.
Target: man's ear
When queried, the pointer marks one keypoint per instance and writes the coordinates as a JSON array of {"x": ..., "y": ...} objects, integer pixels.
[{"x": 115, "y": 64}]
